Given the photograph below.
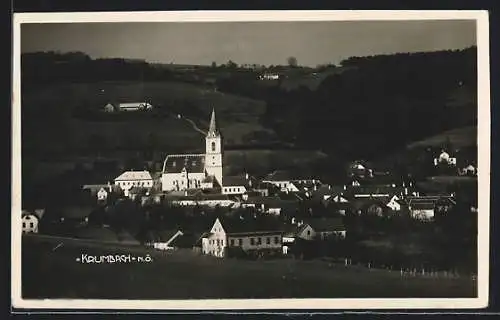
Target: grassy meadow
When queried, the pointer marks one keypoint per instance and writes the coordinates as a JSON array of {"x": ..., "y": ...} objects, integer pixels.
[{"x": 49, "y": 273}]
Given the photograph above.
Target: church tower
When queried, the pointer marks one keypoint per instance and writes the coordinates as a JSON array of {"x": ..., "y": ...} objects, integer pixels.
[{"x": 213, "y": 153}]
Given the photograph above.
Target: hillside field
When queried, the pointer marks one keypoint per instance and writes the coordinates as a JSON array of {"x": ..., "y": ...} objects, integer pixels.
[
  {"x": 49, "y": 273},
  {"x": 237, "y": 117}
]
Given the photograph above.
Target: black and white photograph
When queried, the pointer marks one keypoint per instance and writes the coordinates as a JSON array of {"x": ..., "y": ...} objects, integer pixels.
[{"x": 250, "y": 160}]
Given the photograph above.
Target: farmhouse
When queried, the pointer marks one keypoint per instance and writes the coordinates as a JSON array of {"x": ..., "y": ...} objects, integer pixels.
[
  {"x": 196, "y": 171},
  {"x": 230, "y": 236},
  {"x": 445, "y": 158},
  {"x": 422, "y": 209},
  {"x": 236, "y": 184},
  {"x": 30, "y": 222},
  {"x": 130, "y": 179},
  {"x": 322, "y": 229},
  {"x": 134, "y": 106}
]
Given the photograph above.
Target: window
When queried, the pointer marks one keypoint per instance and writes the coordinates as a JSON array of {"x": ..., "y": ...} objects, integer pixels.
[
  {"x": 259, "y": 240},
  {"x": 24, "y": 225},
  {"x": 232, "y": 242},
  {"x": 213, "y": 146},
  {"x": 276, "y": 240},
  {"x": 240, "y": 242},
  {"x": 308, "y": 232},
  {"x": 252, "y": 241},
  {"x": 222, "y": 242},
  {"x": 31, "y": 224},
  {"x": 268, "y": 240}
]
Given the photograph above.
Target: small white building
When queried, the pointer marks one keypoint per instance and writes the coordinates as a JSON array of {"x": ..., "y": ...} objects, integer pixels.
[
  {"x": 30, "y": 222},
  {"x": 445, "y": 158},
  {"x": 130, "y": 179},
  {"x": 134, "y": 106},
  {"x": 394, "y": 203},
  {"x": 231, "y": 233},
  {"x": 422, "y": 210},
  {"x": 109, "y": 108}
]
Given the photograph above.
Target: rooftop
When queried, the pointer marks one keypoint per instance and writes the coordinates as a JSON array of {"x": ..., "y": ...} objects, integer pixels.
[
  {"x": 237, "y": 225},
  {"x": 326, "y": 224},
  {"x": 230, "y": 181},
  {"x": 134, "y": 175},
  {"x": 193, "y": 163}
]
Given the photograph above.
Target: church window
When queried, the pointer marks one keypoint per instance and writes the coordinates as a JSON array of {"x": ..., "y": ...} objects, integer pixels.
[{"x": 213, "y": 146}]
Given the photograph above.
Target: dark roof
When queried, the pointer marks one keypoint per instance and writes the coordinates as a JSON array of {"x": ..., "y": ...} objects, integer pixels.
[
  {"x": 234, "y": 181},
  {"x": 374, "y": 189},
  {"x": 261, "y": 225},
  {"x": 194, "y": 163},
  {"x": 327, "y": 224},
  {"x": 422, "y": 205},
  {"x": 75, "y": 212}
]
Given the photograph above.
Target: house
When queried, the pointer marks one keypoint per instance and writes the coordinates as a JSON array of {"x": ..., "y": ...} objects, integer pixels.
[
  {"x": 30, "y": 222},
  {"x": 445, "y": 158},
  {"x": 280, "y": 179},
  {"x": 199, "y": 199},
  {"x": 134, "y": 106},
  {"x": 422, "y": 209},
  {"x": 394, "y": 203},
  {"x": 236, "y": 184},
  {"x": 469, "y": 170},
  {"x": 130, "y": 179},
  {"x": 162, "y": 240},
  {"x": 110, "y": 108},
  {"x": 230, "y": 235},
  {"x": 322, "y": 229}
]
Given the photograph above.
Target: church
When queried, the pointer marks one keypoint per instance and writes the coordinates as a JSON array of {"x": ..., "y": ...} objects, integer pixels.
[{"x": 196, "y": 171}]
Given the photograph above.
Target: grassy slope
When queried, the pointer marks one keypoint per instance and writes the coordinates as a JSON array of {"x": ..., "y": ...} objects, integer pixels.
[
  {"x": 182, "y": 275},
  {"x": 238, "y": 116}
]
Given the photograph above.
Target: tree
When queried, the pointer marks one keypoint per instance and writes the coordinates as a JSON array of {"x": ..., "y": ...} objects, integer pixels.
[
  {"x": 214, "y": 64},
  {"x": 292, "y": 61}
]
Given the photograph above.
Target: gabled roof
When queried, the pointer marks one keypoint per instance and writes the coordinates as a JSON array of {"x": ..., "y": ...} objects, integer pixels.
[
  {"x": 422, "y": 206},
  {"x": 193, "y": 163},
  {"x": 134, "y": 175},
  {"x": 230, "y": 181},
  {"x": 326, "y": 224},
  {"x": 235, "y": 225}
]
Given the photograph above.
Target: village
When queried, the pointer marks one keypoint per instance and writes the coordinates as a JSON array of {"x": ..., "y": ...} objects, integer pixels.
[{"x": 192, "y": 205}]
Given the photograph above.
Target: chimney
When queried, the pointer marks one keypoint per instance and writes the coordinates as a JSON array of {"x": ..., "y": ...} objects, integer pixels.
[
  {"x": 109, "y": 187},
  {"x": 246, "y": 176},
  {"x": 406, "y": 191},
  {"x": 345, "y": 187}
]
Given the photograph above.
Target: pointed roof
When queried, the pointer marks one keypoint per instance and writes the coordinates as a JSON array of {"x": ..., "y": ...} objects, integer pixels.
[{"x": 212, "y": 130}]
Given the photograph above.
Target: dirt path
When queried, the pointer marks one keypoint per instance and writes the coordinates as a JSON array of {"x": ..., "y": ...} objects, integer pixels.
[{"x": 195, "y": 127}]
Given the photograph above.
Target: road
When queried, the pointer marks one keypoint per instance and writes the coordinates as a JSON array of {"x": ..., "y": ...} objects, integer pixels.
[{"x": 195, "y": 127}]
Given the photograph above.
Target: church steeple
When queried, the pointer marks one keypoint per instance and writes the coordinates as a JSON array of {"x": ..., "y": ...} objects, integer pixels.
[{"x": 212, "y": 130}]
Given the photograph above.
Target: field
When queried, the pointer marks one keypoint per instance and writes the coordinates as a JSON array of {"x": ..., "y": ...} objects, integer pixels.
[{"x": 55, "y": 273}]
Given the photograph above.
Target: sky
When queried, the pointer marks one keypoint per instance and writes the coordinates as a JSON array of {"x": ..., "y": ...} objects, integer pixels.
[{"x": 312, "y": 43}]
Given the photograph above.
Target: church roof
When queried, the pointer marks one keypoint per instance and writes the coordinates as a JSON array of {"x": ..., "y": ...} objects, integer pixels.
[
  {"x": 194, "y": 163},
  {"x": 213, "y": 130}
]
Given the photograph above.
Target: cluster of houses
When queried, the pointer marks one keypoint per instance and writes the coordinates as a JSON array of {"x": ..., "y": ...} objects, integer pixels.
[
  {"x": 127, "y": 107},
  {"x": 313, "y": 210}
]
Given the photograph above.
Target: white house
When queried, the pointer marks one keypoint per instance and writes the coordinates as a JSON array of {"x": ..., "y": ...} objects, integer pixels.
[
  {"x": 445, "y": 158},
  {"x": 394, "y": 203},
  {"x": 238, "y": 234},
  {"x": 422, "y": 210},
  {"x": 130, "y": 179},
  {"x": 164, "y": 239},
  {"x": 196, "y": 171},
  {"x": 109, "y": 108},
  {"x": 134, "y": 106},
  {"x": 236, "y": 184},
  {"x": 29, "y": 222},
  {"x": 322, "y": 228}
]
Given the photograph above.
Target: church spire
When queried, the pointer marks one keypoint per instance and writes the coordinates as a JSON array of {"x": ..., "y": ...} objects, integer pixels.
[{"x": 212, "y": 130}]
